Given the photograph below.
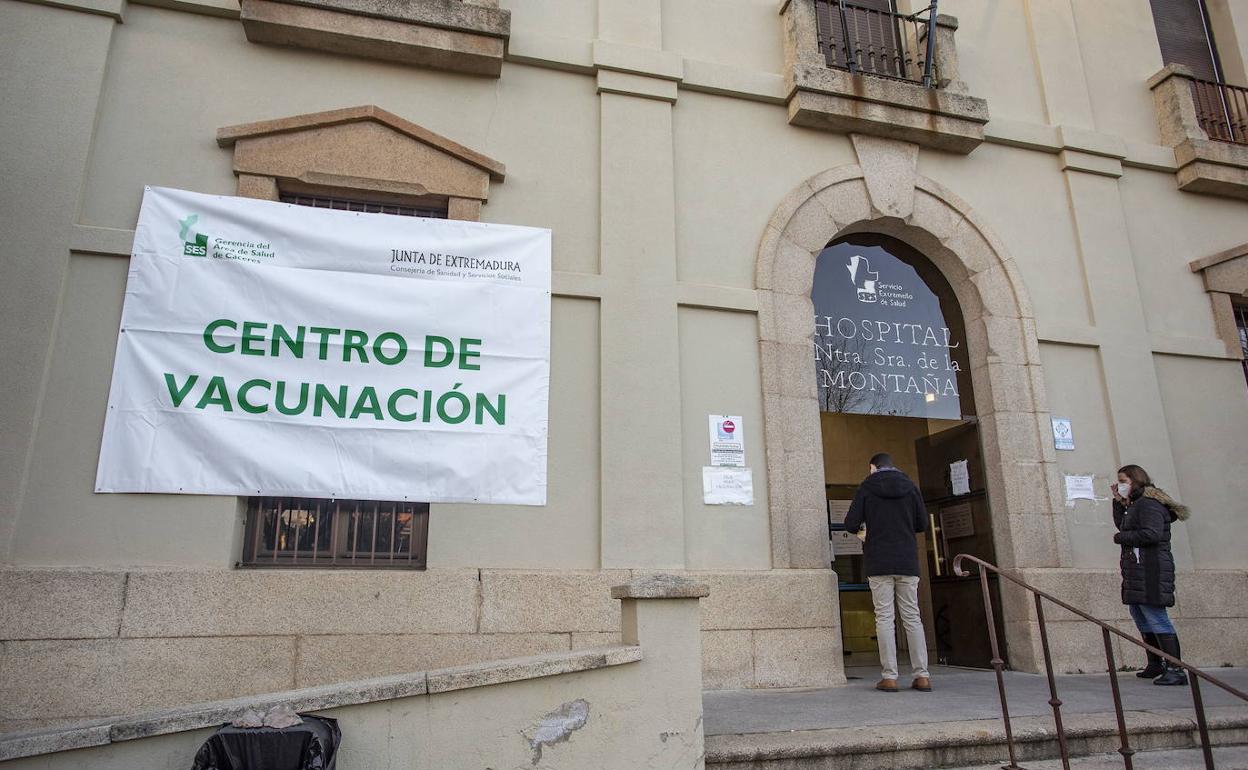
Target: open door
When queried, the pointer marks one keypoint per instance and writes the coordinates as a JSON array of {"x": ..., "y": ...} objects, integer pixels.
[{"x": 961, "y": 522}]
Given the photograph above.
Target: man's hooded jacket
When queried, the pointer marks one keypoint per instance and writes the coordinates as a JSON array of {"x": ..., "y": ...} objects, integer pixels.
[{"x": 890, "y": 505}]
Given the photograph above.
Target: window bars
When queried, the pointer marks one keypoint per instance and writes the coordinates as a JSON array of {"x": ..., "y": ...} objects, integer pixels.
[
  {"x": 873, "y": 39},
  {"x": 309, "y": 532}
]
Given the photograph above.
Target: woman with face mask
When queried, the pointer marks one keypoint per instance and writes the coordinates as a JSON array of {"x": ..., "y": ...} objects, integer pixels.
[{"x": 1143, "y": 514}]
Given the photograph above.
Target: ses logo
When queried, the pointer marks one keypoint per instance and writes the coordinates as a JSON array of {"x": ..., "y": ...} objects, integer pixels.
[
  {"x": 194, "y": 243},
  {"x": 864, "y": 278}
]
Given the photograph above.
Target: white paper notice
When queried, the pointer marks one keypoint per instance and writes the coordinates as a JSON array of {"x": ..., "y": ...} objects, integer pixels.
[
  {"x": 727, "y": 440},
  {"x": 960, "y": 477},
  {"x": 727, "y": 486},
  {"x": 1079, "y": 488}
]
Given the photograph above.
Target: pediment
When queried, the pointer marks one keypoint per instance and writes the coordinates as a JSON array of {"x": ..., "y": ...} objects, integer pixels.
[{"x": 360, "y": 148}]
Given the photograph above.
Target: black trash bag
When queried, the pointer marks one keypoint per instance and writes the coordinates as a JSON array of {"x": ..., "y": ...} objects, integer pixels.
[{"x": 312, "y": 745}]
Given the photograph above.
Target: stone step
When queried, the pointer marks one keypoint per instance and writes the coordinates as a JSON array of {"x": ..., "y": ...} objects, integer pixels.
[
  {"x": 967, "y": 743},
  {"x": 1224, "y": 758}
]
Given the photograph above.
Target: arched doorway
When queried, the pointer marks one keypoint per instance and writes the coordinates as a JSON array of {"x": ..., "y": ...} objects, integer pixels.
[
  {"x": 884, "y": 194},
  {"x": 892, "y": 370}
]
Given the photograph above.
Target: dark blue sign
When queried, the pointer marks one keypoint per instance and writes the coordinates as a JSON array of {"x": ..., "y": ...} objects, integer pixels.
[{"x": 882, "y": 345}]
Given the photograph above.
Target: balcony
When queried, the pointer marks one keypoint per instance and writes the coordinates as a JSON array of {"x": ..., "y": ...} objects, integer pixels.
[
  {"x": 466, "y": 36},
  {"x": 1206, "y": 123},
  {"x": 854, "y": 68}
]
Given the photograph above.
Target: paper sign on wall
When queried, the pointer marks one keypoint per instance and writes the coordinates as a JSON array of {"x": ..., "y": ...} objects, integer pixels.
[
  {"x": 273, "y": 349},
  {"x": 838, "y": 510},
  {"x": 1079, "y": 488},
  {"x": 727, "y": 486},
  {"x": 960, "y": 477},
  {"x": 727, "y": 440},
  {"x": 1063, "y": 434}
]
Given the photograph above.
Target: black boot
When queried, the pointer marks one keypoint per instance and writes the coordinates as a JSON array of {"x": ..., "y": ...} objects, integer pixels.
[
  {"x": 1154, "y": 668},
  {"x": 1169, "y": 644}
]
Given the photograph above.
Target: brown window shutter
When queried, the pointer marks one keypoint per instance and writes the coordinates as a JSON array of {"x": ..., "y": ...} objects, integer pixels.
[
  {"x": 875, "y": 35},
  {"x": 1181, "y": 30}
]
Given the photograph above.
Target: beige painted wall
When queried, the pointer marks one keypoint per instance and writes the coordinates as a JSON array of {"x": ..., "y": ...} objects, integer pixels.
[{"x": 1103, "y": 258}]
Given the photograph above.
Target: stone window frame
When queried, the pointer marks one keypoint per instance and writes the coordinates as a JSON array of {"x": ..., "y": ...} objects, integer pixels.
[
  {"x": 293, "y": 154},
  {"x": 324, "y": 154},
  {"x": 1225, "y": 276}
]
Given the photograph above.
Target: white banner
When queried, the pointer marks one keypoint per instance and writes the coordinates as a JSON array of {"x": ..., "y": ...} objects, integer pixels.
[{"x": 273, "y": 349}]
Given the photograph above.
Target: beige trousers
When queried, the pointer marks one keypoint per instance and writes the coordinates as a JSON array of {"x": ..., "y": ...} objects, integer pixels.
[{"x": 901, "y": 591}]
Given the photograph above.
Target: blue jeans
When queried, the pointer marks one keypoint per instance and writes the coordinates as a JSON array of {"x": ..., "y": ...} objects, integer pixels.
[{"x": 1151, "y": 619}]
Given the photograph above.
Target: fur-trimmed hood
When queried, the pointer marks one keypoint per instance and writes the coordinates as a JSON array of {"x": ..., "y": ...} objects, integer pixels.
[{"x": 1177, "y": 509}]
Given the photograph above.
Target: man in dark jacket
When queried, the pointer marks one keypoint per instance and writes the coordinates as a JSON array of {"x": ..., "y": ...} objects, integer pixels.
[{"x": 890, "y": 506}]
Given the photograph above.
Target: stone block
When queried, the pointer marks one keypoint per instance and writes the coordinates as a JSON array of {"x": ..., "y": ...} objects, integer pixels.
[
  {"x": 1213, "y": 641},
  {"x": 788, "y": 207},
  {"x": 584, "y": 640},
  {"x": 1212, "y": 594},
  {"x": 788, "y": 369},
  {"x": 764, "y": 271},
  {"x": 1032, "y": 542},
  {"x": 799, "y": 598},
  {"x": 799, "y": 420},
  {"x": 794, "y": 318},
  {"x": 521, "y": 601},
  {"x": 102, "y": 677},
  {"x": 660, "y": 585},
  {"x": 835, "y": 100},
  {"x": 328, "y": 659},
  {"x": 441, "y": 34},
  {"x": 806, "y": 657},
  {"x": 847, "y": 203},
  {"x": 1007, "y": 387},
  {"x": 811, "y": 227},
  {"x": 972, "y": 247},
  {"x": 794, "y": 271},
  {"x": 933, "y": 215},
  {"x": 265, "y": 602},
  {"x": 60, "y": 603},
  {"x": 995, "y": 288},
  {"x": 889, "y": 168},
  {"x": 727, "y": 660}
]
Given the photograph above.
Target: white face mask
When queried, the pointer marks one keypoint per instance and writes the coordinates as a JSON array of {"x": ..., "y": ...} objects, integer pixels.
[{"x": 1124, "y": 488}]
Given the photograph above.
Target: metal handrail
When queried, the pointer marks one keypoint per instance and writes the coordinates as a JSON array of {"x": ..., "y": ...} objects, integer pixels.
[{"x": 998, "y": 664}]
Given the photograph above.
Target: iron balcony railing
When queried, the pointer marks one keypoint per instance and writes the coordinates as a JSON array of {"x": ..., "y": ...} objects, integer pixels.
[
  {"x": 1194, "y": 675},
  {"x": 1222, "y": 110},
  {"x": 870, "y": 41}
]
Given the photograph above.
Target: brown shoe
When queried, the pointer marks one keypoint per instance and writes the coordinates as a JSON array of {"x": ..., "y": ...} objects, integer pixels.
[
  {"x": 922, "y": 684},
  {"x": 886, "y": 685}
]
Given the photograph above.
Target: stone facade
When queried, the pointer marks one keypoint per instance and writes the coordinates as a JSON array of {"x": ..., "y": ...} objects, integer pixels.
[{"x": 669, "y": 148}]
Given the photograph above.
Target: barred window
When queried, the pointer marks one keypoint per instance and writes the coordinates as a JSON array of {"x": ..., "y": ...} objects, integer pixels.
[
  {"x": 312, "y": 532},
  {"x": 366, "y": 207}
]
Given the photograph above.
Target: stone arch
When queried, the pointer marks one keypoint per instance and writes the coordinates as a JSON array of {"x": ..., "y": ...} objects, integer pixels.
[{"x": 884, "y": 193}]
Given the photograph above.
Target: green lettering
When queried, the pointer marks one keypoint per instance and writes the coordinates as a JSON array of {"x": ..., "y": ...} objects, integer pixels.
[
  {"x": 354, "y": 339},
  {"x": 249, "y": 336},
  {"x": 325, "y": 333},
  {"x": 178, "y": 394},
  {"x": 216, "y": 395},
  {"x": 337, "y": 406},
  {"x": 448, "y": 351},
  {"x": 247, "y": 406},
  {"x": 498, "y": 412},
  {"x": 392, "y": 405},
  {"x": 465, "y": 353},
  {"x": 380, "y": 354},
  {"x": 281, "y": 399},
  {"x": 280, "y": 335},
  {"x": 367, "y": 404},
  {"x": 210, "y": 343}
]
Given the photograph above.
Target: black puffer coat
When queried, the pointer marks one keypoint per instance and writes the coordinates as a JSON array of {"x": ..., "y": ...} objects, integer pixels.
[{"x": 1147, "y": 563}]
